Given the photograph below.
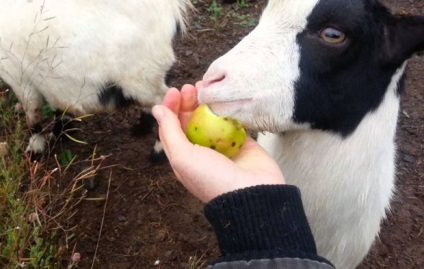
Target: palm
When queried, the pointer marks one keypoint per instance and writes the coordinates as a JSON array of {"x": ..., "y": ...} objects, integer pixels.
[{"x": 203, "y": 171}]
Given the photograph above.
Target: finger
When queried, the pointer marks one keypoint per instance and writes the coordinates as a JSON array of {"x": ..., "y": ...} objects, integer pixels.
[
  {"x": 188, "y": 104},
  {"x": 172, "y": 100},
  {"x": 199, "y": 85},
  {"x": 171, "y": 135},
  {"x": 188, "y": 98}
]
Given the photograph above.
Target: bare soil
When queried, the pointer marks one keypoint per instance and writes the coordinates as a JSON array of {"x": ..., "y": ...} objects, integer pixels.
[{"x": 150, "y": 220}]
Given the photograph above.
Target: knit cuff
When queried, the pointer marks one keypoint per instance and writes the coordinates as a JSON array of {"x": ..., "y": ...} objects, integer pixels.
[{"x": 266, "y": 217}]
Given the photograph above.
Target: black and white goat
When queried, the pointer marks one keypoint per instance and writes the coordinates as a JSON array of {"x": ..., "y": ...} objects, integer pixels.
[
  {"x": 87, "y": 56},
  {"x": 321, "y": 79}
]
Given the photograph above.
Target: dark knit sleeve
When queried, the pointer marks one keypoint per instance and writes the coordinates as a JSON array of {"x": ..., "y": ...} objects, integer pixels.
[{"x": 262, "y": 222}]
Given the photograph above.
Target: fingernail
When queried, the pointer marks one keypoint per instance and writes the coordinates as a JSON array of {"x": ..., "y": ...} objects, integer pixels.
[{"x": 158, "y": 112}]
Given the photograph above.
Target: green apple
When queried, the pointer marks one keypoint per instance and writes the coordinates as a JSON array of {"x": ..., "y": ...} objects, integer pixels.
[{"x": 223, "y": 134}]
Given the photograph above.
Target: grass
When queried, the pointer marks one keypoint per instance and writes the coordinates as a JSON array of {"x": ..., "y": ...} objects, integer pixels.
[
  {"x": 195, "y": 262},
  {"x": 38, "y": 200},
  {"x": 244, "y": 20},
  {"x": 216, "y": 13},
  {"x": 214, "y": 10},
  {"x": 242, "y": 3}
]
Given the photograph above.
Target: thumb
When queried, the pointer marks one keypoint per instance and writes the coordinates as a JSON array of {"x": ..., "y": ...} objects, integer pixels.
[{"x": 171, "y": 135}]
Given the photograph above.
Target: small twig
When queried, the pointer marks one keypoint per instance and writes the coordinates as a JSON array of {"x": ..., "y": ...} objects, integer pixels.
[
  {"x": 205, "y": 30},
  {"x": 421, "y": 231},
  {"x": 103, "y": 220},
  {"x": 144, "y": 197}
]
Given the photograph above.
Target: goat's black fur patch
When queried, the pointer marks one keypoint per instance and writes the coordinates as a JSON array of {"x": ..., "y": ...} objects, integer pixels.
[
  {"x": 170, "y": 76},
  {"x": 340, "y": 84},
  {"x": 178, "y": 28},
  {"x": 36, "y": 129},
  {"x": 158, "y": 157},
  {"x": 113, "y": 95}
]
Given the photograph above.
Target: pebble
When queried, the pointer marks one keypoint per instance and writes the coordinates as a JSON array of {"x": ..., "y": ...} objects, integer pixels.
[
  {"x": 408, "y": 158},
  {"x": 198, "y": 26}
]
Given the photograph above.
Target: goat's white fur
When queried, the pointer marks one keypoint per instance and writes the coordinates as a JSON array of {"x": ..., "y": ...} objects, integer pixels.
[
  {"x": 66, "y": 51},
  {"x": 346, "y": 183}
]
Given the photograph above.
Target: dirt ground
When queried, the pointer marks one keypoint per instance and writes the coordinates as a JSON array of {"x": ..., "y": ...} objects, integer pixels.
[{"x": 151, "y": 221}]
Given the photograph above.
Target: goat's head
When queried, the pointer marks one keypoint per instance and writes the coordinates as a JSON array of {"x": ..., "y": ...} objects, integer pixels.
[{"x": 313, "y": 64}]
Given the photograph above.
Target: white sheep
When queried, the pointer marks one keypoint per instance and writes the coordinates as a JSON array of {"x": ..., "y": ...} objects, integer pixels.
[
  {"x": 87, "y": 56},
  {"x": 321, "y": 79}
]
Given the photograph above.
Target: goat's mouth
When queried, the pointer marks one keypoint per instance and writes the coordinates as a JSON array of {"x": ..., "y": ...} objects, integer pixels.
[
  {"x": 229, "y": 102},
  {"x": 229, "y": 106}
]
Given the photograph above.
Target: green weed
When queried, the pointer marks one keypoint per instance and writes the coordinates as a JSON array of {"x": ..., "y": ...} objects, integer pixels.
[
  {"x": 215, "y": 11},
  {"x": 242, "y": 3},
  {"x": 244, "y": 20},
  {"x": 47, "y": 111},
  {"x": 66, "y": 157}
]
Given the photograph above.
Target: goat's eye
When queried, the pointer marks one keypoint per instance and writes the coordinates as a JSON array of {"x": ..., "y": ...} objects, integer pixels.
[{"x": 333, "y": 36}]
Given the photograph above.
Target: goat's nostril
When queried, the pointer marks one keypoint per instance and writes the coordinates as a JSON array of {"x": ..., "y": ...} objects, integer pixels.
[{"x": 210, "y": 79}]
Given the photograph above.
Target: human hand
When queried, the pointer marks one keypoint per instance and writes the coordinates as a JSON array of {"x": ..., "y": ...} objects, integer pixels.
[{"x": 203, "y": 171}]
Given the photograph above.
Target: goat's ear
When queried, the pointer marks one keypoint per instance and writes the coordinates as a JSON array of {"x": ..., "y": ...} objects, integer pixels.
[{"x": 404, "y": 36}]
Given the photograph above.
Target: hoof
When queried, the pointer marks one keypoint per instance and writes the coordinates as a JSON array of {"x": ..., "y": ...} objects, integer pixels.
[
  {"x": 157, "y": 155},
  {"x": 36, "y": 147},
  {"x": 144, "y": 126}
]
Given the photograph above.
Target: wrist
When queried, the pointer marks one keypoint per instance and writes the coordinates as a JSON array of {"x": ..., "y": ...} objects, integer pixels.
[{"x": 260, "y": 218}]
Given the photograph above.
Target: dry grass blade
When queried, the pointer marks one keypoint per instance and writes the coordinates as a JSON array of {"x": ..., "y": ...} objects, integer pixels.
[
  {"x": 103, "y": 219},
  {"x": 38, "y": 200}
]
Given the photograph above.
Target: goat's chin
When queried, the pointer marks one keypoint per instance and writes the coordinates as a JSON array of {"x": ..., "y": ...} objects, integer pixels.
[
  {"x": 276, "y": 127},
  {"x": 229, "y": 108}
]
